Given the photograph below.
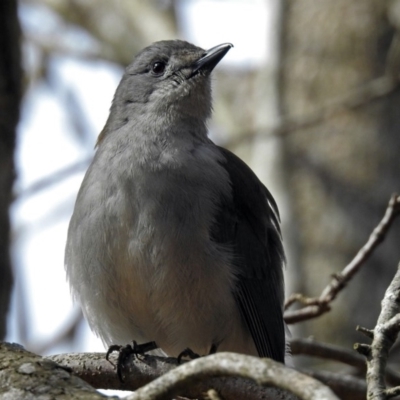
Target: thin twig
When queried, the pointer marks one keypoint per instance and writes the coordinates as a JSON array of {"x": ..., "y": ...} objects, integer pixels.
[
  {"x": 393, "y": 392},
  {"x": 346, "y": 386},
  {"x": 327, "y": 351},
  {"x": 313, "y": 348},
  {"x": 54, "y": 178},
  {"x": 367, "y": 332},
  {"x": 320, "y": 305},
  {"x": 385, "y": 334}
]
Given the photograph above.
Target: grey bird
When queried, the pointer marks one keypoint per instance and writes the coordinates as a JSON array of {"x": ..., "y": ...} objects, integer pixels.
[{"x": 173, "y": 239}]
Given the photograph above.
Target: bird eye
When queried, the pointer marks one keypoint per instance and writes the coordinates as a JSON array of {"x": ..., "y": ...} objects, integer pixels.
[{"x": 158, "y": 68}]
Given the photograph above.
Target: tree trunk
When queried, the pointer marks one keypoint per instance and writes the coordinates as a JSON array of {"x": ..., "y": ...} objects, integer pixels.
[{"x": 10, "y": 93}]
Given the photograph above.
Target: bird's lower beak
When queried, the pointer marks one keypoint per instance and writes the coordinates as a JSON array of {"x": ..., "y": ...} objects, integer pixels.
[{"x": 211, "y": 58}]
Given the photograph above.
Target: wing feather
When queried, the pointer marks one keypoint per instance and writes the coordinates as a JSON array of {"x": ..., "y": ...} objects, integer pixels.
[{"x": 249, "y": 222}]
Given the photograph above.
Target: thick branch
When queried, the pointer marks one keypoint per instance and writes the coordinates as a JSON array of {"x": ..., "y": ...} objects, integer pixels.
[
  {"x": 263, "y": 371},
  {"x": 25, "y": 375},
  {"x": 220, "y": 372},
  {"x": 94, "y": 369}
]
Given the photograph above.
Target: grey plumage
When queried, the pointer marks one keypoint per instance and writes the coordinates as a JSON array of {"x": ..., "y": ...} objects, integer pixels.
[{"x": 174, "y": 239}]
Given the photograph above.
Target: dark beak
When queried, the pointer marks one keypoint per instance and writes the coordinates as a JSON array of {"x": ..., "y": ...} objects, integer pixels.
[{"x": 211, "y": 58}]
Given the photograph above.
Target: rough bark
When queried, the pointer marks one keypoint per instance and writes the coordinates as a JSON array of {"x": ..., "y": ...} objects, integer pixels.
[{"x": 24, "y": 375}]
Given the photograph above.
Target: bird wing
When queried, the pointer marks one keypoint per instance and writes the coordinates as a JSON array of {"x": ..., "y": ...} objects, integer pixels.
[{"x": 249, "y": 224}]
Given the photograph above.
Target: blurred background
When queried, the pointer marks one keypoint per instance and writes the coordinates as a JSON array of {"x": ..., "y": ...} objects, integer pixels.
[{"x": 298, "y": 98}]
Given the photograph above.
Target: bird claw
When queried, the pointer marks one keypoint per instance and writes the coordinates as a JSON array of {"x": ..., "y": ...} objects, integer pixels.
[
  {"x": 187, "y": 353},
  {"x": 126, "y": 351},
  {"x": 192, "y": 355}
]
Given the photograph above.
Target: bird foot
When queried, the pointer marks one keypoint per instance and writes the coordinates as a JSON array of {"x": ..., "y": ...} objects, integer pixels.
[
  {"x": 187, "y": 353},
  {"x": 126, "y": 351},
  {"x": 192, "y": 355}
]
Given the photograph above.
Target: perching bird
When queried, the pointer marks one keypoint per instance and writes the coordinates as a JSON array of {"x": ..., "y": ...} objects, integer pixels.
[{"x": 174, "y": 239}]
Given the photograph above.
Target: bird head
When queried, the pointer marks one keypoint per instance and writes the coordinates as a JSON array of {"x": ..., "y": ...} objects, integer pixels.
[{"x": 168, "y": 79}]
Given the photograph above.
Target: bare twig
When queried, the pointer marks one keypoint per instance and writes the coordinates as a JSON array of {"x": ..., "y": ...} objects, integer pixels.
[
  {"x": 313, "y": 348},
  {"x": 54, "y": 178},
  {"x": 347, "y": 387},
  {"x": 367, "y": 332},
  {"x": 314, "y": 307},
  {"x": 263, "y": 371},
  {"x": 385, "y": 334},
  {"x": 392, "y": 392},
  {"x": 327, "y": 351}
]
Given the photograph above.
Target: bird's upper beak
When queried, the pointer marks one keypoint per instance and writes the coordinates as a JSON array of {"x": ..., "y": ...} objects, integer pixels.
[{"x": 211, "y": 58}]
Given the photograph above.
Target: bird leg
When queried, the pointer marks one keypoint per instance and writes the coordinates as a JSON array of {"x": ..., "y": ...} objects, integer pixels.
[
  {"x": 126, "y": 351},
  {"x": 187, "y": 353},
  {"x": 192, "y": 355}
]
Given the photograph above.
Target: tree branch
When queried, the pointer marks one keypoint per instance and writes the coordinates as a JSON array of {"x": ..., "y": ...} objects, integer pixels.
[
  {"x": 26, "y": 375},
  {"x": 317, "y": 306},
  {"x": 263, "y": 371},
  {"x": 327, "y": 351},
  {"x": 385, "y": 334},
  {"x": 347, "y": 387},
  {"x": 231, "y": 375},
  {"x": 54, "y": 178}
]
